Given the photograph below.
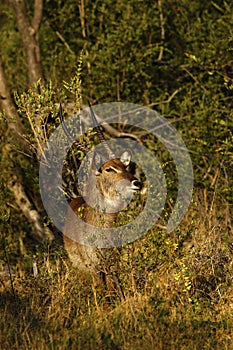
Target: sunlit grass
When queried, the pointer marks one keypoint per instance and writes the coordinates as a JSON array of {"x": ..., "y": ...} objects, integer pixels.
[{"x": 178, "y": 295}]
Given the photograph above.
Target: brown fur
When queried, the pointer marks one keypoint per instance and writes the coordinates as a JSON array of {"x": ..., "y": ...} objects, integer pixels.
[{"x": 111, "y": 189}]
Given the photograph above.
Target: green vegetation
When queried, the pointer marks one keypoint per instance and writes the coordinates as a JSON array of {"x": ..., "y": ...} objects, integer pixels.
[{"x": 173, "y": 56}]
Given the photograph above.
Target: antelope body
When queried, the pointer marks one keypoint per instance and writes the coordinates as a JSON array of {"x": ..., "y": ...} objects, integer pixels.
[{"x": 113, "y": 184}]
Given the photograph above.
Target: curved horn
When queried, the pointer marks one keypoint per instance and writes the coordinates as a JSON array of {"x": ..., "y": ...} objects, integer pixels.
[
  {"x": 67, "y": 133},
  {"x": 63, "y": 124},
  {"x": 99, "y": 133}
]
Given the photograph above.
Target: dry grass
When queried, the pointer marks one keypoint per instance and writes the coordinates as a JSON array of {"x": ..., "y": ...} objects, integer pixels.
[{"x": 179, "y": 295}]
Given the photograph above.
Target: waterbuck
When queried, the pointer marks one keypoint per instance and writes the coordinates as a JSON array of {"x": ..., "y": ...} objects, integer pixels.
[{"x": 109, "y": 186}]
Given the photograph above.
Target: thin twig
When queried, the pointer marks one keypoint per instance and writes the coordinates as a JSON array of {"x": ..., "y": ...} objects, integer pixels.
[
  {"x": 65, "y": 43},
  {"x": 160, "y": 56},
  {"x": 194, "y": 78},
  {"x": 165, "y": 101}
]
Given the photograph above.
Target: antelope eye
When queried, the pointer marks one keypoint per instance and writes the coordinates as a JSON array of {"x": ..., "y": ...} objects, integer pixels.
[{"x": 109, "y": 170}]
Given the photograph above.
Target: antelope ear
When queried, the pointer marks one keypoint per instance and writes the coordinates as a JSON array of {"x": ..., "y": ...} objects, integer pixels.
[{"x": 126, "y": 158}]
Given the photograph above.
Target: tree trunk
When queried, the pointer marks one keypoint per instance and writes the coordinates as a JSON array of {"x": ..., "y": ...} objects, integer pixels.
[
  {"x": 28, "y": 30},
  {"x": 11, "y": 114},
  {"x": 29, "y": 33}
]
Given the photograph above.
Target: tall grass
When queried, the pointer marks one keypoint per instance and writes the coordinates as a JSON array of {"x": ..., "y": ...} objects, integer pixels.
[{"x": 178, "y": 293}]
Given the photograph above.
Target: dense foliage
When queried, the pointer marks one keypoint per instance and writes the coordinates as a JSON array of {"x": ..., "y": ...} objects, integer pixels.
[{"x": 176, "y": 57}]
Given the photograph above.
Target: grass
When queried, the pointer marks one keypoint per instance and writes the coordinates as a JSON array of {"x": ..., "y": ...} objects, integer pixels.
[{"x": 178, "y": 294}]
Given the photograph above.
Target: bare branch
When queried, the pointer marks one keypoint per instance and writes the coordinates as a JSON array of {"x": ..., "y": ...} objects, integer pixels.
[
  {"x": 11, "y": 114},
  {"x": 162, "y": 30},
  {"x": 38, "y": 13},
  {"x": 26, "y": 207},
  {"x": 165, "y": 101},
  {"x": 65, "y": 43},
  {"x": 194, "y": 78},
  {"x": 82, "y": 19}
]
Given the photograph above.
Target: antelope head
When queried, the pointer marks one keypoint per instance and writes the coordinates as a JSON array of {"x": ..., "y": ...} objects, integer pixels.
[{"x": 114, "y": 182}]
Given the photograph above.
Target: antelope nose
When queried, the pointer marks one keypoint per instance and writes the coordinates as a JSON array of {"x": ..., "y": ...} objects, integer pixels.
[{"x": 136, "y": 184}]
